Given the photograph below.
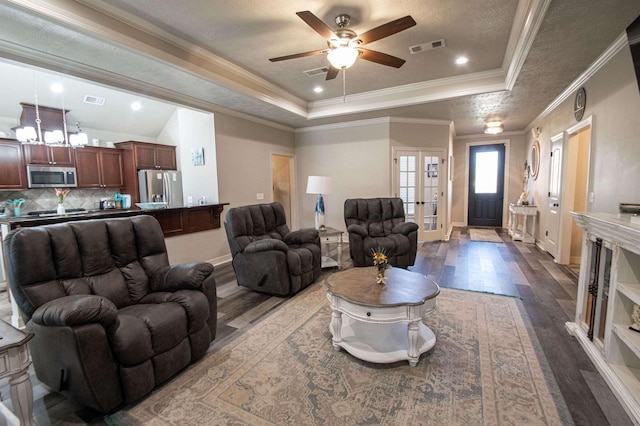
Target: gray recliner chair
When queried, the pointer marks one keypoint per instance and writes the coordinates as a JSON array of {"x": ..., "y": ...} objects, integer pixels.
[
  {"x": 380, "y": 223},
  {"x": 267, "y": 257}
]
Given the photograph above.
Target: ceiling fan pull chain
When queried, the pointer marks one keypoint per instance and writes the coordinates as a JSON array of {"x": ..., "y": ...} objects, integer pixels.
[{"x": 344, "y": 84}]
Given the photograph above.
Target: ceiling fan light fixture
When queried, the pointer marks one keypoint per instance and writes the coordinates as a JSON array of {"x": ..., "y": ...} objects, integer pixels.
[
  {"x": 493, "y": 127},
  {"x": 342, "y": 56}
]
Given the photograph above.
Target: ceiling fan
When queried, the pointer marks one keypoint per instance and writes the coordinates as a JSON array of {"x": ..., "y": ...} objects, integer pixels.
[{"x": 345, "y": 45}]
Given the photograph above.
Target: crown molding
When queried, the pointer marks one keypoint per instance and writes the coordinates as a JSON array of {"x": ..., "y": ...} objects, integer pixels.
[
  {"x": 408, "y": 120},
  {"x": 526, "y": 24},
  {"x": 344, "y": 125},
  {"x": 489, "y": 137},
  {"x": 410, "y": 94},
  {"x": 600, "y": 62}
]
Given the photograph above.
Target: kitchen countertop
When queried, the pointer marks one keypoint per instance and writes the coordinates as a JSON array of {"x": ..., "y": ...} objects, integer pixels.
[{"x": 27, "y": 221}]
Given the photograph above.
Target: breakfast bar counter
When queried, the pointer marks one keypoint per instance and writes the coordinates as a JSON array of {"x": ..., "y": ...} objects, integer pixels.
[{"x": 174, "y": 221}]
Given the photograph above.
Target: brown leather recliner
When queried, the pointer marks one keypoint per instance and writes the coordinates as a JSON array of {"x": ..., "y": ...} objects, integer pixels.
[
  {"x": 374, "y": 223},
  {"x": 267, "y": 256},
  {"x": 111, "y": 318}
]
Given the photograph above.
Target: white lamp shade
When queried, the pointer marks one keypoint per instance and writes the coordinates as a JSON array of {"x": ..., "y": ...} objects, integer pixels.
[{"x": 318, "y": 185}]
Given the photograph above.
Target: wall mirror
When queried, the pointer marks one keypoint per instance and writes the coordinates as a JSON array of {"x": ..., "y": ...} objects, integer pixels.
[{"x": 535, "y": 159}]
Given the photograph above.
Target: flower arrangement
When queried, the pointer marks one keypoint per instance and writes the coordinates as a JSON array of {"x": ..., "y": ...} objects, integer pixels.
[
  {"x": 61, "y": 194},
  {"x": 380, "y": 260}
]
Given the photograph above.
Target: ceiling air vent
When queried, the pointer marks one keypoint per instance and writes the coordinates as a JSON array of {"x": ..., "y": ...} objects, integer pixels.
[
  {"x": 93, "y": 100},
  {"x": 426, "y": 46},
  {"x": 316, "y": 71}
]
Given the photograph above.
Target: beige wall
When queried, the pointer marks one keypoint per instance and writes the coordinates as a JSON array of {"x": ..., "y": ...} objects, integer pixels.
[
  {"x": 613, "y": 102},
  {"x": 355, "y": 156}
]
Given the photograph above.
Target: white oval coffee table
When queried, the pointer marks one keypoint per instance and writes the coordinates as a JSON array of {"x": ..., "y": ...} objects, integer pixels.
[{"x": 381, "y": 323}]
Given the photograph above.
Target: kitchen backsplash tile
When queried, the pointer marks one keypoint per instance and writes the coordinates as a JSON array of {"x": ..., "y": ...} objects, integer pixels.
[{"x": 45, "y": 198}]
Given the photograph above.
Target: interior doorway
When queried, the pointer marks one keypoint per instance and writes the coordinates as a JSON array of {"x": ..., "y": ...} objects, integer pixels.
[
  {"x": 486, "y": 185},
  {"x": 281, "y": 183},
  {"x": 575, "y": 194}
]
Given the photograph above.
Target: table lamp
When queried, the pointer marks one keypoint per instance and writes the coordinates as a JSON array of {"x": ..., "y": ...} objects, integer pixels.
[{"x": 319, "y": 185}]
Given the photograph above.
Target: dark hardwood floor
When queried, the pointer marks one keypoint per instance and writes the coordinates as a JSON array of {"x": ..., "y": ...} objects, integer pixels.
[{"x": 548, "y": 292}]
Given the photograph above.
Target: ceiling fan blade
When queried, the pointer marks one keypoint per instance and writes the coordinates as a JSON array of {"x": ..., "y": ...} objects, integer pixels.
[
  {"x": 380, "y": 58},
  {"x": 298, "y": 55},
  {"x": 318, "y": 26},
  {"x": 332, "y": 73},
  {"x": 385, "y": 30}
]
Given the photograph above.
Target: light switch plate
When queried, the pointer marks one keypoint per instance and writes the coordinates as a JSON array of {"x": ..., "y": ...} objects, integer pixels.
[{"x": 260, "y": 196}]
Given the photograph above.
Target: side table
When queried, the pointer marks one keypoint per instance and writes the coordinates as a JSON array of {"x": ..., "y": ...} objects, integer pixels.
[
  {"x": 14, "y": 362},
  {"x": 518, "y": 218},
  {"x": 328, "y": 237}
]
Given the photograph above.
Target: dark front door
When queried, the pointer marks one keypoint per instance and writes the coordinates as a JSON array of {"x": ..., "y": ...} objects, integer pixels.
[{"x": 486, "y": 185}]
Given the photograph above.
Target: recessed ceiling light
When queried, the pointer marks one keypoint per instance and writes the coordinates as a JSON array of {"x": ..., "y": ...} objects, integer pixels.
[
  {"x": 136, "y": 106},
  {"x": 318, "y": 89},
  {"x": 57, "y": 88},
  {"x": 462, "y": 60}
]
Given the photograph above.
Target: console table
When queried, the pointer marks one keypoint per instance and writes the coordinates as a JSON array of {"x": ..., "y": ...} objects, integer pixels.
[{"x": 519, "y": 216}]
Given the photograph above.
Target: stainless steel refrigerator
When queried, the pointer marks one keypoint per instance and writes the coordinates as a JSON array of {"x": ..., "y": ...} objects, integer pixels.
[{"x": 161, "y": 185}]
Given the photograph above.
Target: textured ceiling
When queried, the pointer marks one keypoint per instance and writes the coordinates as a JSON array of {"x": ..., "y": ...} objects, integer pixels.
[{"x": 213, "y": 55}]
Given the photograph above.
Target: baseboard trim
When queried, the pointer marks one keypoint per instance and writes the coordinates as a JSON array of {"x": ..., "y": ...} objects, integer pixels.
[{"x": 222, "y": 260}]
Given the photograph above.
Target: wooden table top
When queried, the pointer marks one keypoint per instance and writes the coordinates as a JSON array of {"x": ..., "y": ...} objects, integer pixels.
[
  {"x": 358, "y": 285},
  {"x": 11, "y": 337}
]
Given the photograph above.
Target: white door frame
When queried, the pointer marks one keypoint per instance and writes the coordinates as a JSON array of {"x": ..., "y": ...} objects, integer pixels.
[
  {"x": 505, "y": 200},
  {"x": 442, "y": 188},
  {"x": 564, "y": 232}
]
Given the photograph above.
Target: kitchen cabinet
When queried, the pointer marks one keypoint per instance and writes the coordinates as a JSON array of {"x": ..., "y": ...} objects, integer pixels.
[
  {"x": 48, "y": 155},
  {"x": 12, "y": 170},
  {"x": 99, "y": 167},
  {"x": 142, "y": 156},
  {"x": 150, "y": 155},
  {"x": 608, "y": 293}
]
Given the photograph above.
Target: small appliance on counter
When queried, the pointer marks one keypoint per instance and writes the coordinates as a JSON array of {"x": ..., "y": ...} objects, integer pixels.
[{"x": 106, "y": 204}]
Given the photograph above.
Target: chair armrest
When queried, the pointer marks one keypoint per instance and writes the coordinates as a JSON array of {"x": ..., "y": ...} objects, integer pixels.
[
  {"x": 357, "y": 229},
  {"x": 302, "y": 236},
  {"x": 405, "y": 228},
  {"x": 76, "y": 310},
  {"x": 185, "y": 276},
  {"x": 267, "y": 244}
]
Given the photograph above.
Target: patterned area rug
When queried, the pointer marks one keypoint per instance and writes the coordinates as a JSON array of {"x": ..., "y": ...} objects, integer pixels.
[
  {"x": 485, "y": 369},
  {"x": 488, "y": 235}
]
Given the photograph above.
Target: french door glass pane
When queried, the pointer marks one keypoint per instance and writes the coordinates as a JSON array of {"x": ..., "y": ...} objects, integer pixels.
[
  {"x": 431, "y": 174},
  {"x": 486, "y": 172},
  {"x": 408, "y": 184}
]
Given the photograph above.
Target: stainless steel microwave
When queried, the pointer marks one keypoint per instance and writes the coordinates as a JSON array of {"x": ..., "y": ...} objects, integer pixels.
[{"x": 51, "y": 177}]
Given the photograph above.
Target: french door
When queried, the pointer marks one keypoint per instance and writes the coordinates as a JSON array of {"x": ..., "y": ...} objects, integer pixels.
[
  {"x": 486, "y": 185},
  {"x": 417, "y": 180}
]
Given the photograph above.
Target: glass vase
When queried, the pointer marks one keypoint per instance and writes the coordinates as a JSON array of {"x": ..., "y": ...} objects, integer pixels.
[{"x": 61, "y": 209}]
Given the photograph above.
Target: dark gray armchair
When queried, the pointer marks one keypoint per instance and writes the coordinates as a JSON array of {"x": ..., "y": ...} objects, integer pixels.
[
  {"x": 380, "y": 222},
  {"x": 267, "y": 257}
]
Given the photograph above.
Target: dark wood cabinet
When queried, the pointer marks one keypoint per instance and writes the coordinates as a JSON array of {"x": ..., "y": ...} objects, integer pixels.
[
  {"x": 150, "y": 155},
  {"x": 12, "y": 170},
  {"x": 143, "y": 156},
  {"x": 99, "y": 168},
  {"x": 48, "y": 155}
]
